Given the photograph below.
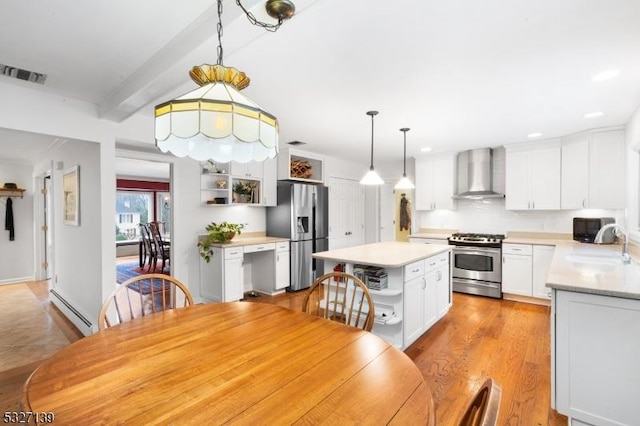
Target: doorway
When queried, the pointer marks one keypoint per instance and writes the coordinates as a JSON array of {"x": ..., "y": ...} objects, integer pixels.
[{"x": 143, "y": 195}]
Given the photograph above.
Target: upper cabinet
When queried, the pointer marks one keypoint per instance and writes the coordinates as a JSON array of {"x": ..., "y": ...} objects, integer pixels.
[
  {"x": 301, "y": 166},
  {"x": 607, "y": 171},
  {"x": 593, "y": 170},
  {"x": 435, "y": 182},
  {"x": 533, "y": 176},
  {"x": 252, "y": 169},
  {"x": 252, "y": 183}
]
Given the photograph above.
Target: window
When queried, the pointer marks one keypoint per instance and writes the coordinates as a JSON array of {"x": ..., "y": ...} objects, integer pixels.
[{"x": 132, "y": 208}]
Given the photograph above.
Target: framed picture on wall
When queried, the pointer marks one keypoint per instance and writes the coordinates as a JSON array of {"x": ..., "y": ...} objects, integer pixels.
[{"x": 71, "y": 190}]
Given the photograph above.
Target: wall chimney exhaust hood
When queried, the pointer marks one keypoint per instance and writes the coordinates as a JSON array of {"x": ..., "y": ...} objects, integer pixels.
[{"x": 475, "y": 175}]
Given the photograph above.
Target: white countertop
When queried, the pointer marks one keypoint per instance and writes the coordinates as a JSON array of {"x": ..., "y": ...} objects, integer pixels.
[
  {"x": 434, "y": 235},
  {"x": 388, "y": 254},
  {"x": 247, "y": 241},
  {"x": 618, "y": 280}
]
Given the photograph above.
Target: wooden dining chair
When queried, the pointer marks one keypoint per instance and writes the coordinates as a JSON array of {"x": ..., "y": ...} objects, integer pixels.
[
  {"x": 163, "y": 247},
  {"x": 483, "y": 409},
  {"x": 342, "y": 297},
  {"x": 143, "y": 295},
  {"x": 149, "y": 252}
]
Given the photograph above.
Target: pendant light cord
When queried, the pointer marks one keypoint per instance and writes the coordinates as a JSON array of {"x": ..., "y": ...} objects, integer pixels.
[
  {"x": 251, "y": 17},
  {"x": 404, "y": 156},
  {"x": 371, "y": 167},
  {"x": 372, "y": 114},
  {"x": 219, "y": 29}
]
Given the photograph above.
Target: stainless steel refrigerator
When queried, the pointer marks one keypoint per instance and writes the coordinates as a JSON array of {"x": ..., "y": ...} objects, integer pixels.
[{"x": 301, "y": 216}]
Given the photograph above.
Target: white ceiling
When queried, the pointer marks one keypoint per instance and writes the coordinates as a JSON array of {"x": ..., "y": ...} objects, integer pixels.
[{"x": 459, "y": 73}]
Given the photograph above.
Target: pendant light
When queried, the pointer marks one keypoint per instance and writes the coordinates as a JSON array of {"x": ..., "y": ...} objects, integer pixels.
[
  {"x": 371, "y": 177},
  {"x": 405, "y": 183},
  {"x": 216, "y": 122}
]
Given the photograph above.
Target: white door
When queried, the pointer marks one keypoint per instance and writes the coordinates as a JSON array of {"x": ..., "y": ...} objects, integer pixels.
[
  {"x": 517, "y": 181},
  {"x": 387, "y": 212},
  {"x": 575, "y": 172},
  {"x": 282, "y": 270},
  {"x": 346, "y": 213}
]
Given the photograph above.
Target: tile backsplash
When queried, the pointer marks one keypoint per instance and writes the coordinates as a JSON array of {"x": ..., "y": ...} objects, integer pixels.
[{"x": 490, "y": 216}]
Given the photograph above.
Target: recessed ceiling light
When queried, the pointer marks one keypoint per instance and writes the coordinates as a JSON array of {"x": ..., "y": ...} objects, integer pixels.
[
  {"x": 534, "y": 135},
  {"x": 594, "y": 114},
  {"x": 605, "y": 75},
  {"x": 425, "y": 149}
]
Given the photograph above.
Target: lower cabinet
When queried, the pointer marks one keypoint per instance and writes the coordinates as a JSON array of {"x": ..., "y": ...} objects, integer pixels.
[
  {"x": 525, "y": 268},
  {"x": 222, "y": 279},
  {"x": 283, "y": 278},
  {"x": 595, "y": 352},
  {"x": 232, "y": 271},
  {"x": 427, "y": 295}
]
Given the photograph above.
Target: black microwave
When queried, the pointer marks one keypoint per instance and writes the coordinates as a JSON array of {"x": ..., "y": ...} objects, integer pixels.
[{"x": 586, "y": 228}]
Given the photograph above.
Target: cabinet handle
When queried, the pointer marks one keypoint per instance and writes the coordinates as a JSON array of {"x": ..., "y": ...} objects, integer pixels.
[
  {"x": 583, "y": 202},
  {"x": 503, "y": 259},
  {"x": 260, "y": 248},
  {"x": 533, "y": 204},
  {"x": 439, "y": 275},
  {"x": 528, "y": 204},
  {"x": 424, "y": 282},
  {"x": 277, "y": 258},
  {"x": 416, "y": 270}
]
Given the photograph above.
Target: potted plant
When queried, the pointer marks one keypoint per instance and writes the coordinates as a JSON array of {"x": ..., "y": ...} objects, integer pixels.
[
  {"x": 244, "y": 192},
  {"x": 217, "y": 233}
]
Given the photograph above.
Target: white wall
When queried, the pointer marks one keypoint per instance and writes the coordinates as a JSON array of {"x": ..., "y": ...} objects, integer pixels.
[
  {"x": 490, "y": 216},
  {"x": 16, "y": 257}
]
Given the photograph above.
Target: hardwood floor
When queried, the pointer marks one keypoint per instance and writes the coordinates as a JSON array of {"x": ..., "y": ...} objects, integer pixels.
[{"x": 478, "y": 338}]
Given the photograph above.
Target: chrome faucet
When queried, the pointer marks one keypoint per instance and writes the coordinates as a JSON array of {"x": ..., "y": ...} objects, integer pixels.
[{"x": 619, "y": 232}]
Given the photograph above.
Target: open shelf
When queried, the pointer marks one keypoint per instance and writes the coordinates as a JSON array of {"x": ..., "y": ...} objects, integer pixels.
[{"x": 12, "y": 192}]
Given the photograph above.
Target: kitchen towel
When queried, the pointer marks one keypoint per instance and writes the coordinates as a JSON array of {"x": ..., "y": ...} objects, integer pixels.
[{"x": 8, "y": 220}]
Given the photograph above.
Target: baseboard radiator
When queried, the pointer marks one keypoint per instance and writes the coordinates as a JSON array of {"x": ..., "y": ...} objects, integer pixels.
[{"x": 75, "y": 316}]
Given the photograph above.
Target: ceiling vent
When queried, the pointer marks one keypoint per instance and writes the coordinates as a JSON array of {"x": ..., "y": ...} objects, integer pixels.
[
  {"x": 296, "y": 143},
  {"x": 20, "y": 74}
]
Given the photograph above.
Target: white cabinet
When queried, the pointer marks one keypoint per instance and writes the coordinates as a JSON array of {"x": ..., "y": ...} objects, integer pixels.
[
  {"x": 299, "y": 165},
  {"x": 219, "y": 182},
  {"x": 435, "y": 183},
  {"x": 516, "y": 269},
  {"x": 525, "y": 268},
  {"x": 593, "y": 170},
  {"x": 222, "y": 279},
  {"x": 282, "y": 266},
  {"x": 252, "y": 169},
  {"x": 542, "y": 257},
  {"x": 594, "y": 357},
  {"x": 533, "y": 176},
  {"x": 607, "y": 171},
  {"x": 414, "y": 309},
  {"x": 270, "y": 182},
  {"x": 427, "y": 295},
  {"x": 575, "y": 172},
  {"x": 233, "y": 270}
]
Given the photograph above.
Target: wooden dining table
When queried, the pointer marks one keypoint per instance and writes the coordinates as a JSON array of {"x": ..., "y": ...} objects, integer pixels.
[{"x": 240, "y": 362}]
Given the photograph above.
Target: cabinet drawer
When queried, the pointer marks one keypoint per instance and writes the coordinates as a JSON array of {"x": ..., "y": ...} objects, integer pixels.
[
  {"x": 437, "y": 261},
  {"x": 523, "y": 249},
  {"x": 413, "y": 270},
  {"x": 283, "y": 246},
  {"x": 232, "y": 253},
  {"x": 259, "y": 247}
]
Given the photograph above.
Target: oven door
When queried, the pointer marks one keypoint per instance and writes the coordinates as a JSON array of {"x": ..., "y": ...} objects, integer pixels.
[{"x": 477, "y": 263}]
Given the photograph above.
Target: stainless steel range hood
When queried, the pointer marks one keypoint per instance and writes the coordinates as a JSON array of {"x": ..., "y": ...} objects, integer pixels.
[{"x": 475, "y": 175}]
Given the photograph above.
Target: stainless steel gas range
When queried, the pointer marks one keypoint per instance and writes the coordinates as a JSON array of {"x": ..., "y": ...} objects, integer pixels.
[{"x": 477, "y": 264}]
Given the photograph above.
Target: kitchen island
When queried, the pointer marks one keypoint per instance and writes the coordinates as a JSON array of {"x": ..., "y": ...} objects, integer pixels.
[
  {"x": 595, "y": 335},
  {"x": 418, "y": 285}
]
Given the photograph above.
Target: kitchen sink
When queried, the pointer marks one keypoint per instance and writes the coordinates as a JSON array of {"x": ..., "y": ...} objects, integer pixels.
[{"x": 595, "y": 257}]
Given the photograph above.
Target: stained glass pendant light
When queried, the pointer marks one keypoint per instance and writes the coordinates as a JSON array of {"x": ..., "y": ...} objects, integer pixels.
[
  {"x": 217, "y": 122},
  {"x": 371, "y": 177},
  {"x": 405, "y": 182}
]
